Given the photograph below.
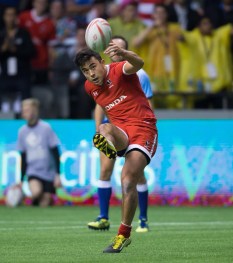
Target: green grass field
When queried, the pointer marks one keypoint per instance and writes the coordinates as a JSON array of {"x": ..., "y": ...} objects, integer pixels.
[{"x": 59, "y": 234}]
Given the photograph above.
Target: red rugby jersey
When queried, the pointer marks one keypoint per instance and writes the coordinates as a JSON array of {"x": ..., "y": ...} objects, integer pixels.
[
  {"x": 42, "y": 30},
  {"x": 122, "y": 98}
]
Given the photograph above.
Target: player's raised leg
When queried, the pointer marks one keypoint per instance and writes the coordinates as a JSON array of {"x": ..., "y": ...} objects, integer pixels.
[{"x": 110, "y": 140}]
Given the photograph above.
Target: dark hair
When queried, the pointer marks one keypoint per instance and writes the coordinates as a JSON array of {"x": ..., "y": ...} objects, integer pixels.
[
  {"x": 85, "y": 55},
  {"x": 123, "y": 39}
]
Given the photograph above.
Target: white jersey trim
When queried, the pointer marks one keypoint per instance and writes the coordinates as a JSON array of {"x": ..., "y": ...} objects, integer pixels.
[{"x": 123, "y": 69}]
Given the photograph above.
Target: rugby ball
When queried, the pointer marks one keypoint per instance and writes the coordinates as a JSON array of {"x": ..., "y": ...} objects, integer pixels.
[
  {"x": 98, "y": 34},
  {"x": 14, "y": 196}
]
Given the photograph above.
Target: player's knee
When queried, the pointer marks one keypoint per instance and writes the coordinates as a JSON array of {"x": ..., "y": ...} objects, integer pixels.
[
  {"x": 128, "y": 187},
  {"x": 105, "y": 128},
  {"x": 105, "y": 174},
  {"x": 142, "y": 180},
  {"x": 129, "y": 184}
]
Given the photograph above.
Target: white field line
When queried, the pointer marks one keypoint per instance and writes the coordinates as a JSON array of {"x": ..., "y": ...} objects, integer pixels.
[
  {"x": 41, "y": 222},
  {"x": 84, "y": 226}
]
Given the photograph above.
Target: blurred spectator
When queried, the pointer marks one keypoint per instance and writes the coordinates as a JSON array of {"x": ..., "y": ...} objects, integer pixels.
[
  {"x": 220, "y": 13},
  {"x": 25, "y": 5},
  {"x": 3, "y": 5},
  {"x": 42, "y": 30},
  {"x": 112, "y": 9},
  {"x": 78, "y": 9},
  {"x": 127, "y": 24},
  {"x": 98, "y": 10},
  {"x": 16, "y": 51},
  {"x": 199, "y": 5},
  {"x": 40, "y": 160},
  {"x": 163, "y": 56},
  {"x": 146, "y": 9},
  {"x": 65, "y": 26},
  {"x": 180, "y": 12},
  {"x": 60, "y": 61},
  {"x": 211, "y": 59},
  {"x": 81, "y": 104}
]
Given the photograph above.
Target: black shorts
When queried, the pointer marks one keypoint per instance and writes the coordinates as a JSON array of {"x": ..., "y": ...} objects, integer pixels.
[{"x": 48, "y": 186}]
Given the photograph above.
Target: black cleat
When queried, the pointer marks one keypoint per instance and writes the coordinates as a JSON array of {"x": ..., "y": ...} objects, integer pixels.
[{"x": 105, "y": 146}]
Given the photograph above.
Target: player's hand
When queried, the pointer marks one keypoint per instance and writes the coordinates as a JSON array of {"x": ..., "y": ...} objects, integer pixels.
[
  {"x": 114, "y": 50},
  {"x": 57, "y": 181}
]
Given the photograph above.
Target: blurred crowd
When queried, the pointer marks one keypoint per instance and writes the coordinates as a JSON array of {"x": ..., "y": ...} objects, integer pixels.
[{"x": 187, "y": 47}]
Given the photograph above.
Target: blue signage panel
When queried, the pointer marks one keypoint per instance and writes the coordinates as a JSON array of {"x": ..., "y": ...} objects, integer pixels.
[{"x": 193, "y": 164}]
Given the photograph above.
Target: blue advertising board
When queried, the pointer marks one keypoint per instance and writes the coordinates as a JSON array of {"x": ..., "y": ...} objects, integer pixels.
[{"x": 193, "y": 164}]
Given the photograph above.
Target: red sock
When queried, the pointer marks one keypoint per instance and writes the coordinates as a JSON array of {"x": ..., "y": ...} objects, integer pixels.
[{"x": 124, "y": 230}]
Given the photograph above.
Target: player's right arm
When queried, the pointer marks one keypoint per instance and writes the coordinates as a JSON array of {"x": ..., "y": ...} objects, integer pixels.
[
  {"x": 133, "y": 61},
  {"x": 99, "y": 116}
]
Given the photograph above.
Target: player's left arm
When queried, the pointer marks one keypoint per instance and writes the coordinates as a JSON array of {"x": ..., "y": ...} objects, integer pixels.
[
  {"x": 99, "y": 116},
  {"x": 133, "y": 61}
]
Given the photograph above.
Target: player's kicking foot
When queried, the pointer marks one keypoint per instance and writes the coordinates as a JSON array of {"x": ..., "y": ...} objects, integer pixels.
[
  {"x": 119, "y": 242},
  {"x": 99, "y": 224},
  {"x": 142, "y": 226},
  {"x": 105, "y": 146}
]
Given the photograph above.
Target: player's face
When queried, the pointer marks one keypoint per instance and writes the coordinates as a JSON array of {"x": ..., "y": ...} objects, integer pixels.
[
  {"x": 120, "y": 43},
  {"x": 29, "y": 113},
  {"x": 94, "y": 71}
]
